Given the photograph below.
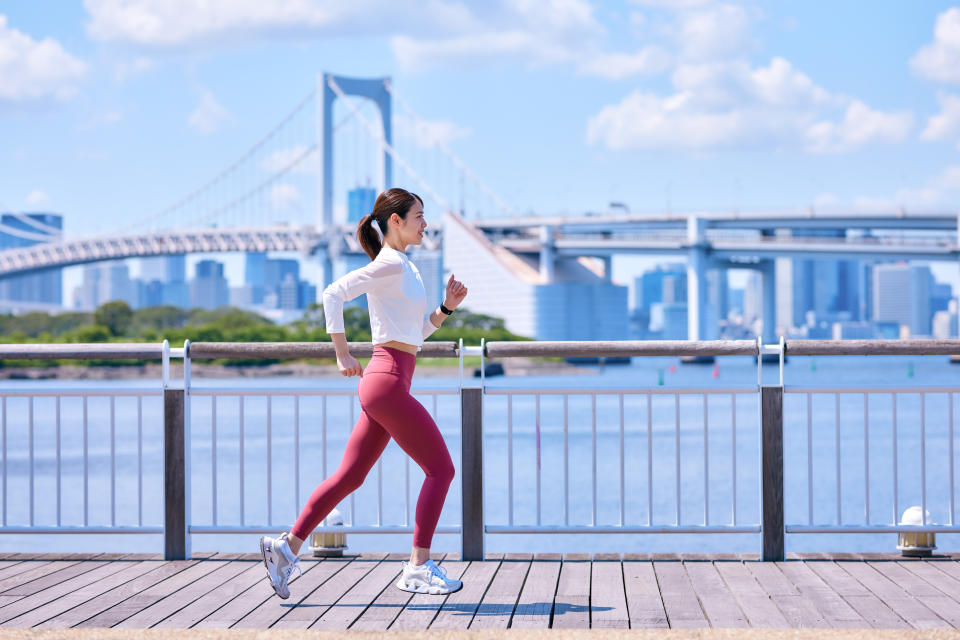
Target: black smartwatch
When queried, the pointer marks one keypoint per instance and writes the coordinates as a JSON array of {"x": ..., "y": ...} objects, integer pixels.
[{"x": 444, "y": 310}]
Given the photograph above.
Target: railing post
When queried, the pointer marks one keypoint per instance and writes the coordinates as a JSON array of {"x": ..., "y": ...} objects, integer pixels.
[
  {"x": 176, "y": 539},
  {"x": 771, "y": 412},
  {"x": 471, "y": 472}
]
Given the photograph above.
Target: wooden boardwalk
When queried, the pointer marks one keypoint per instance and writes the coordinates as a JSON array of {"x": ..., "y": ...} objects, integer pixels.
[{"x": 512, "y": 590}]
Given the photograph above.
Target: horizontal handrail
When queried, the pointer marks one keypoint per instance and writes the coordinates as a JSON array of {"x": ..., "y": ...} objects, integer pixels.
[
  {"x": 304, "y": 350},
  {"x": 82, "y": 351},
  {"x": 625, "y": 348},
  {"x": 872, "y": 347}
]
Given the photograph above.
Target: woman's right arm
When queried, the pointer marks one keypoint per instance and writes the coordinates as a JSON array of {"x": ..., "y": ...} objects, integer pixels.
[{"x": 359, "y": 281}]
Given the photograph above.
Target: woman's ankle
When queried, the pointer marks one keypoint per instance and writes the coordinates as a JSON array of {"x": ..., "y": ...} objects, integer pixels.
[
  {"x": 419, "y": 555},
  {"x": 295, "y": 543}
]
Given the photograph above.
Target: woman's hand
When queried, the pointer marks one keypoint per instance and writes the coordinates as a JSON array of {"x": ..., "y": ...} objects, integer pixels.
[
  {"x": 456, "y": 292},
  {"x": 348, "y": 365}
]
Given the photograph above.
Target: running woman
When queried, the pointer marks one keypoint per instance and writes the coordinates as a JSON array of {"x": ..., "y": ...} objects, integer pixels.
[{"x": 400, "y": 323}]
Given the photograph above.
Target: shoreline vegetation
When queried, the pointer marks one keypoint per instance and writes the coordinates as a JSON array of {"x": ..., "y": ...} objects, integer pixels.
[{"x": 116, "y": 322}]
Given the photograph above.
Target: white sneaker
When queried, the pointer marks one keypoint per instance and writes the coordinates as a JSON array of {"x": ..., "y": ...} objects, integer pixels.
[
  {"x": 427, "y": 578},
  {"x": 280, "y": 562}
]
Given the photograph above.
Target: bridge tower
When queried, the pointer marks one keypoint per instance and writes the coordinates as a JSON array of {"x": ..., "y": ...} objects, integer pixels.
[{"x": 372, "y": 88}]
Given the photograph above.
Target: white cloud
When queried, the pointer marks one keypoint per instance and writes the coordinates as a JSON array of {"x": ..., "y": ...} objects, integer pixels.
[
  {"x": 36, "y": 70},
  {"x": 672, "y": 4},
  {"x": 945, "y": 124},
  {"x": 429, "y": 133},
  {"x": 940, "y": 60},
  {"x": 939, "y": 191},
  {"x": 307, "y": 161},
  {"x": 615, "y": 66},
  {"x": 713, "y": 32},
  {"x": 101, "y": 120},
  {"x": 209, "y": 115},
  {"x": 284, "y": 196},
  {"x": 860, "y": 125},
  {"x": 126, "y": 69},
  {"x": 37, "y": 197}
]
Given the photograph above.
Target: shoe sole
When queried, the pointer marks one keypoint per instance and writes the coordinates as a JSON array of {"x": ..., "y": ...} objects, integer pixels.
[
  {"x": 263, "y": 552},
  {"x": 426, "y": 590}
]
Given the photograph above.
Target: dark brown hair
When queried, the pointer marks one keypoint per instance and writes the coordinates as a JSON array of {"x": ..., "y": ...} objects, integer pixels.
[{"x": 392, "y": 201}]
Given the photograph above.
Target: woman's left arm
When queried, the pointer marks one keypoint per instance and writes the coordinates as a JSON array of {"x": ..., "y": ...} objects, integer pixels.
[{"x": 455, "y": 293}]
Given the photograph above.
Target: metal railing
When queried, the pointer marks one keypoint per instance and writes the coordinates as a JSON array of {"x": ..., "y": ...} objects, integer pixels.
[{"x": 181, "y": 479}]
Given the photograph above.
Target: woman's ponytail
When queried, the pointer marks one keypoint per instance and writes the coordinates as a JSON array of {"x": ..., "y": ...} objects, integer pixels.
[
  {"x": 369, "y": 237},
  {"x": 374, "y": 226}
]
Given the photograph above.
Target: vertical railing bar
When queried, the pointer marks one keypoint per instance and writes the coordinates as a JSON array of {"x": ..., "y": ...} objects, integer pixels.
[
  {"x": 566, "y": 465},
  {"x": 4, "y": 411},
  {"x": 406, "y": 518},
  {"x": 896, "y": 483},
  {"x": 593, "y": 405},
  {"x": 538, "y": 457},
  {"x": 866, "y": 459},
  {"x": 952, "y": 488},
  {"x": 923, "y": 458},
  {"x": 323, "y": 438},
  {"x": 241, "y": 402},
  {"x": 353, "y": 504},
  {"x": 86, "y": 510},
  {"x": 59, "y": 472},
  {"x": 649, "y": 460},
  {"x": 113, "y": 461},
  {"x": 836, "y": 406},
  {"x": 809, "y": 458},
  {"x": 213, "y": 456},
  {"x": 733, "y": 458},
  {"x": 296, "y": 450},
  {"x": 510, "y": 459},
  {"x": 676, "y": 407},
  {"x": 139, "y": 459},
  {"x": 380, "y": 491},
  {"x": 706, "y": 463},
  {"x": 30, "y": 413},
  {"x": 623, "y": 495},
  {"x": 269, "y": 460}
]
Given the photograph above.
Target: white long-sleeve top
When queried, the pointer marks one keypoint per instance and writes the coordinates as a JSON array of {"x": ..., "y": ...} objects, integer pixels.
[{"x": 395, "y": 296}]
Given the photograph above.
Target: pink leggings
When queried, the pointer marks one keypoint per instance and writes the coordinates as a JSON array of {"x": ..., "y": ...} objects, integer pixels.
[{"x": 388, "y": 411}]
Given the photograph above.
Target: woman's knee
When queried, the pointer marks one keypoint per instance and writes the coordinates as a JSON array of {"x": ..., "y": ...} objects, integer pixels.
[{"x": 443, "y": 469}]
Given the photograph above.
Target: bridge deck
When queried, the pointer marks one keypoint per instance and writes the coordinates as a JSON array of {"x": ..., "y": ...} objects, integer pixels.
[{"x": 516, "y": 590}]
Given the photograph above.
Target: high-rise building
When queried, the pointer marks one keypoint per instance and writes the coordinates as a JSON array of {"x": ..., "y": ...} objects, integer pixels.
[
  {"x": 255, "y": 276},
  {"x": 209, "y": 289},
  {"x": 902, "y": 296},
  {"x": 360, "y": 202},
  {"x": 42, "y": 286},
  {"x": 106, "y": 282}
]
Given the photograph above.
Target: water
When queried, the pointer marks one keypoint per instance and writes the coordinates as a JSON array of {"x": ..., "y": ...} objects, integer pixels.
[{"x": 289, "y": 490}]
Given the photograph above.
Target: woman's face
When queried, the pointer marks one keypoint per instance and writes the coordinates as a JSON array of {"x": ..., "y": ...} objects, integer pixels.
[{"x": 412, "y": 227}]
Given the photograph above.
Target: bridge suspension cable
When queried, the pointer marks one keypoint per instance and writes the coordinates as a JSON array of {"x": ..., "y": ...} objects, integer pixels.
[
  {"x": 454, "y": 158},
  {"x": 377, "y": 135}
]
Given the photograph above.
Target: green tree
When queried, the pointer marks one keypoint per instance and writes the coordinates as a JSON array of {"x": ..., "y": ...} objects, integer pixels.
[{"x": 115, "y": 316}]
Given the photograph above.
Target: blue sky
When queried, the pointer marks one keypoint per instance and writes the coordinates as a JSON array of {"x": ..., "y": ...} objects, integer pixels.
[{"x": 113, "y": 109}]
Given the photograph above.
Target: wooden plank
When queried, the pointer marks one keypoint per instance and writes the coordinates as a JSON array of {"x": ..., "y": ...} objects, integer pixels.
[
  {"x": 32, "y": 571},
  {"x": 828, "y": 602},
  {"x": 361, "y": 596},
  {"x": 326, "y": 595},
  {"x": 679, "y": 599},
  {"x": 717, "y": 602},
  {"x": 152, "y": 572},
  {"x": 422, "y": 608},
  {"x": 949, "y": 567},
  {"x": 535, "y": 604},
  {"x": 5, "y": 600},
  {"x": 869, "y": 606},
  {"x": 220, "y": 595},
  {"x": 77, "y": 597},
  {"x": 12, "y": 567},
  {"x": 499, "y": 601},
  {"x": 187, "y": 593},
  {"x": 388, "y": 604},
  {"x": 935, "y": 577},
  {"x": 571, "y": 605},
  {"x": 459, "y": 608},
  {"x": 759, "y": 609},
  {"x": 60, "y": 590},
  {"x": 644, "y": 604},
  {"x": 914, "y": 612},
  {"x": 246, "y": 602},
  {"x": 608, "y": 601},
  {"x": 931, "y": 597},
  {"x": 267, "y": 613},
  {"x": 797, "y": 609}
]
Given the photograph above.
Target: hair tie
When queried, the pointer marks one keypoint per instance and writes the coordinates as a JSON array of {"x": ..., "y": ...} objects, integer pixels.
[{"x": 376, "y": 227}]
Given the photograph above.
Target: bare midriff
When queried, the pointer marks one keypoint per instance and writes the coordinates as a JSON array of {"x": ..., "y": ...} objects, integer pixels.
[{"x": 401, "y": 346}]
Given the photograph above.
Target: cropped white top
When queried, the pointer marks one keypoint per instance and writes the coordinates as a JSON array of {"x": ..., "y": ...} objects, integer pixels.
[{"x": 395, "y": 296}]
